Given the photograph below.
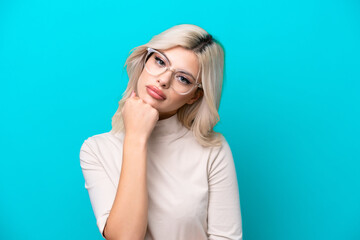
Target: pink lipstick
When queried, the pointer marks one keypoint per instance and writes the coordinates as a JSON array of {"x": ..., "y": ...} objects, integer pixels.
[{"x": 155, "y": 92}]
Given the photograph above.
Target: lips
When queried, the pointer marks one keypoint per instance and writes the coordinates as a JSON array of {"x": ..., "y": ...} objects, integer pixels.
[{"x": 155, "y": 92}]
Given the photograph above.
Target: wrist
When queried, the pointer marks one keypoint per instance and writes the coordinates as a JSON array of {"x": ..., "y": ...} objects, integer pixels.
[{"x": 140, "y": 140}]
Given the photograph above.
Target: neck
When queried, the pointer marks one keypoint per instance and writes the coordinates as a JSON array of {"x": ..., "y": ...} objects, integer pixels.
[
  {"x": 168, "y": 129},
  {"x": 166, "y": 115}
]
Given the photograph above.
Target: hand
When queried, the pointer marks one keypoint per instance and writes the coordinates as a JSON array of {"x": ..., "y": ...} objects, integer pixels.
[{"x": 139, "y": 117}]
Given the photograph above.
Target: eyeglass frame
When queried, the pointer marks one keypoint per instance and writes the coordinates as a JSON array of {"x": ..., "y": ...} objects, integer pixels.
[{"x": 173, "y": 70}]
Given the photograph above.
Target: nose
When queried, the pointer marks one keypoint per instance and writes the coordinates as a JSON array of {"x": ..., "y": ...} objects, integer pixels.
[{"x": 164, "y": 79}]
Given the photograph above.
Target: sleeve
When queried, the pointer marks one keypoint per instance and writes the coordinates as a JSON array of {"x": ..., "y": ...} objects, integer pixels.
[
  {"x": 224, "y": 214},
  {"x": 97, "y": 182}
]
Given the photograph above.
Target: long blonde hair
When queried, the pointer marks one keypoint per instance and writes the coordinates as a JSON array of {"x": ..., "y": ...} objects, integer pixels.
[{"x": 201, "y": 116}]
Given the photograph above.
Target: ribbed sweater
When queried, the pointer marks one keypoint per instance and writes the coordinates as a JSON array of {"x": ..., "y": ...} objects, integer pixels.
[{"x": 192, "y": 190}]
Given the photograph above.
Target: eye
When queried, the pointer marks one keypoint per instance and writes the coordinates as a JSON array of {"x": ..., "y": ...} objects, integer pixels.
[
  {"x": 160, "y": 62},
  {"x": 183, "y": 80}
]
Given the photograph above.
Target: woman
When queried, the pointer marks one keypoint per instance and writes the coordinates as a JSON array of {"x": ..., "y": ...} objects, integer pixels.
[{"x": 162, "y": 172}]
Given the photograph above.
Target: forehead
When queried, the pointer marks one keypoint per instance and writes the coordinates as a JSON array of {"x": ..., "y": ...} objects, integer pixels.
[{"x": 183, "y": 59}]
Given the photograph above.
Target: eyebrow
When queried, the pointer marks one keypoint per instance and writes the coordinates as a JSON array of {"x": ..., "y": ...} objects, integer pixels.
[{"x": 179, "y": 70}]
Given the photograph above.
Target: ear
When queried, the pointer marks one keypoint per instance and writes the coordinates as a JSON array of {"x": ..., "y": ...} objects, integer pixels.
[{"x": 198, "y": 94}]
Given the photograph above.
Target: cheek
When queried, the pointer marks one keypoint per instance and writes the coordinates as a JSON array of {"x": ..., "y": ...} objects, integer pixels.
[
  {"x": 140, "y": 80},
  {"x": 140, "y": 83},
  {"x": 179, "y": 100}
]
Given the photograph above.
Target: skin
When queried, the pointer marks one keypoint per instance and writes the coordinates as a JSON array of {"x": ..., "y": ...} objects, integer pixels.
[
  {"x": 128, "y": 216},
  {"x": 180, "y": 58}
]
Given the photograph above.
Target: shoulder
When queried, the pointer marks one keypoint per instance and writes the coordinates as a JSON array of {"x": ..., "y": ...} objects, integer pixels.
[
  {"x": 102, "y": 144},
  {"x": 94, "y": 140},
  {"x": 220, "y": 156},
  {"x": 223, "y": 147},
  {"x": 103, "y": 138}
]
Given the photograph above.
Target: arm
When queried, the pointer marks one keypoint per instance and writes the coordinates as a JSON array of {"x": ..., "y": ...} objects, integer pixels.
[
  {"x": 122, "y": 213},
  {"x": 128, "y": 215},
  {"x": 224, "y": 215},
  {"x": 98, "y": 184}
]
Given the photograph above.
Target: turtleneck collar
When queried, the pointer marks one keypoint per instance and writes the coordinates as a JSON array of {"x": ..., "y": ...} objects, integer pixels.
[
  {"x": 168, "y": 128},
  {"x": 165, "y": 130}
]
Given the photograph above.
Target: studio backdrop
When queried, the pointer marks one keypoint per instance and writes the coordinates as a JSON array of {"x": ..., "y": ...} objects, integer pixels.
[{"x": 290, "y": 108}]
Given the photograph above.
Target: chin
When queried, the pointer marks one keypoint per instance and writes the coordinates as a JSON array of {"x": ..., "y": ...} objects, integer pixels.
[{"x": 149, "y": 100}]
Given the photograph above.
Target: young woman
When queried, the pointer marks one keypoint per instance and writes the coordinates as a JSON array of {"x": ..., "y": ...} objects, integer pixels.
[{"x": 162, "y": 173}]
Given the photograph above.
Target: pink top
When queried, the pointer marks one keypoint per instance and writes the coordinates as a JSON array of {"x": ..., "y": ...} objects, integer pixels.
[{"x": 193, "y": 190}]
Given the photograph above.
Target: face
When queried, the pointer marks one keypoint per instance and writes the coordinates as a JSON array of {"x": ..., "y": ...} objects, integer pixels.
[{"x": 156, "y": 90}]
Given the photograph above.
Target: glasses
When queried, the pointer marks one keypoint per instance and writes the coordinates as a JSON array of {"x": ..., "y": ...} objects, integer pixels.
[{"x": 156, "y": 63}]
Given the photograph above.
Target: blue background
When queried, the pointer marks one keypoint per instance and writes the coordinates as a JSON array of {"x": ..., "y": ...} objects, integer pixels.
[{"x": 290, "y": 108}]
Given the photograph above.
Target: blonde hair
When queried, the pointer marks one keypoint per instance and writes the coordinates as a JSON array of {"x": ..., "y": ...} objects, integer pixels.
[{"x": 201, "y": 116}]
